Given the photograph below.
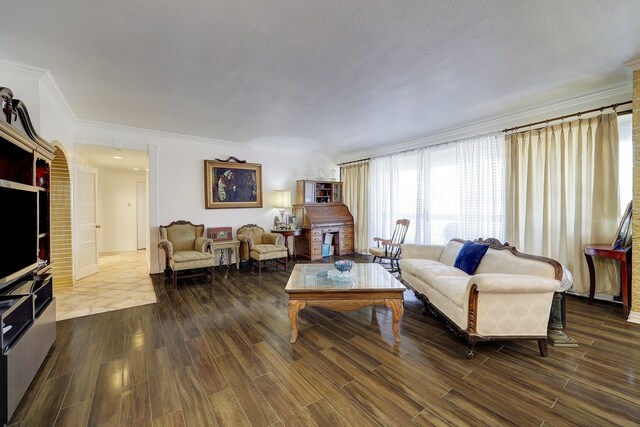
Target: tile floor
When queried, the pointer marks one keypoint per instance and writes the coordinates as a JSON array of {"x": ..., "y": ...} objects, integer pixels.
[{"x": 123, "y": 281}]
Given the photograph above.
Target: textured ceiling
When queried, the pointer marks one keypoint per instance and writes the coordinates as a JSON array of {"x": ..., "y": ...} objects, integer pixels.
[{"x": 332, "y": 74}]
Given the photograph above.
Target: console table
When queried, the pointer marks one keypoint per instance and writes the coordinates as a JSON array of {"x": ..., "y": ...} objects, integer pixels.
[
  {"x": 624, "y": 256},
  {"x": 229, "y": 245}
]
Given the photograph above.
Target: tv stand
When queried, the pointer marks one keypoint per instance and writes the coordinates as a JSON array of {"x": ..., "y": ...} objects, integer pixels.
[{"x": 27, "y": 304}]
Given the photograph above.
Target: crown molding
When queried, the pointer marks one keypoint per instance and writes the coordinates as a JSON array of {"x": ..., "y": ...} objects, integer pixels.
[
  {"x": 492, "y": 125},
  {"x": 48, "y": 80},
  {"x": 110, "y": 128},
  {"x": 22, "y": 69},
  {"x": 634, "y": 317},
  {"x": 633, "y": 65}
]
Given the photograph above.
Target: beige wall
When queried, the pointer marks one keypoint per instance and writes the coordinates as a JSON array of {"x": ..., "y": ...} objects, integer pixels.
[
  {"x": 635, "y": 296},
  {"x": 61, "y": 255}
]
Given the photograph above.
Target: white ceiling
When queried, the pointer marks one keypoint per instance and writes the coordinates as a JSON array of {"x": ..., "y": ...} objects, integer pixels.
[{"x": 332, "y": 74}]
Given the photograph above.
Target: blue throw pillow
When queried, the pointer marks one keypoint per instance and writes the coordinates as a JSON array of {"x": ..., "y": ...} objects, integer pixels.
[{"x": 470, "y": 256}]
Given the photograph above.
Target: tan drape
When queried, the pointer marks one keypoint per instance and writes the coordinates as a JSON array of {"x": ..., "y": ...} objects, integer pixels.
[
  {"x": 356, "y": 196},
  {"x": 562, "y": 193}
]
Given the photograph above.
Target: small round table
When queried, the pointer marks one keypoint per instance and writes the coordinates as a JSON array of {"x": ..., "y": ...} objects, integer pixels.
[{"x": 288, "y": 232}]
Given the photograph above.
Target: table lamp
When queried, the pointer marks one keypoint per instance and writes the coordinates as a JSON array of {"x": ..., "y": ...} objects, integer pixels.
[{"x": 282, "y": 201}]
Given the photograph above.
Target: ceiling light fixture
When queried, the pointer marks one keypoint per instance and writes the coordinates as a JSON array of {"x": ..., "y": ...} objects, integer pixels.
[
  {"x": 117, "y": 157},
  {"x": 136, "y": 169}
]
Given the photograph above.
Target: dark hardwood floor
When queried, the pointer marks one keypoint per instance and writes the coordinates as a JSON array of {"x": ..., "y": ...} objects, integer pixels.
[{"x": 207, "y": 356}]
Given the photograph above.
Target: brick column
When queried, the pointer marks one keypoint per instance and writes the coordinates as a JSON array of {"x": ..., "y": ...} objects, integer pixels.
[{"x": 635, "y": 273}]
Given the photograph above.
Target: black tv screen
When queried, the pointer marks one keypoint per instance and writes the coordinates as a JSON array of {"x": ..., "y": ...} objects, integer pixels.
[{"x": 19, "y": 236}]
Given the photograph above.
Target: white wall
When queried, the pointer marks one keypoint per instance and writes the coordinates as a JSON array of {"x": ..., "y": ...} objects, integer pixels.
[
  {"x": 176, "y": 176},
  {"x": 55, "y": 121},
  {"x": 23, "y": 82},
  {"x": 117, "y": 209}
]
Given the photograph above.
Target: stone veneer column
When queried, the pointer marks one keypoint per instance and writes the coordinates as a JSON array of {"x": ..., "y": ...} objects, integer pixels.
[{"x": 635, "y": 273}]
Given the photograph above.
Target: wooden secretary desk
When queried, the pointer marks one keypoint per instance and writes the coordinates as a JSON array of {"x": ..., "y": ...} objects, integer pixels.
[{"x": 320, "y": 210}]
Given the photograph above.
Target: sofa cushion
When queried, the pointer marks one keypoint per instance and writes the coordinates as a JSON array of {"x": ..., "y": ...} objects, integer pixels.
[
  {"x": 413, "y": 265},
  {"x": 469, "y": 256},
  {"x": 434, "y": 272},
  {"x": 450, "y": 252},
  {"x": 502, "y": 261},
  {"x": 454, "y": 288}
]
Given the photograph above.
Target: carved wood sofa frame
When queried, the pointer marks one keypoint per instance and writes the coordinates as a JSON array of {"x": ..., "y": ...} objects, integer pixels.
[{"x": 470, "y": 334}]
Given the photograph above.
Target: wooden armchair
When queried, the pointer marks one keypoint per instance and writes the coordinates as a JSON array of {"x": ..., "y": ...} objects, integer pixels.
[
  {"x": 186, "y": 250},
  {"x": 258, "y": 246},
  {"x": 389, "y": 249}
]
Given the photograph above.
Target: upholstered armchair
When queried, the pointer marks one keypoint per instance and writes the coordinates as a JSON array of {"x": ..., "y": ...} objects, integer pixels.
[
  {"x": 258, "y": 246},
  {"x": 186, "y": 250}
]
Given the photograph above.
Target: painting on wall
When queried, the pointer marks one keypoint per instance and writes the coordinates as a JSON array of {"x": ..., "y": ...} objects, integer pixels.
[{"x": 232, "y": 185}]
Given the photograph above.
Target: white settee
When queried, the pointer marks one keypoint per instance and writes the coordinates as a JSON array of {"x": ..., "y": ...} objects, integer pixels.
[{"x": 507, "y": 297}]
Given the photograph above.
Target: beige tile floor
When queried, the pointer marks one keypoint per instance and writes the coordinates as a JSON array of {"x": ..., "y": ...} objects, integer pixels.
[{"x": 123, "y": 281}]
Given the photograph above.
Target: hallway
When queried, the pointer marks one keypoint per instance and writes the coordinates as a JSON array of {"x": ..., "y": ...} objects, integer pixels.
[{"x": 123, "y": 281}]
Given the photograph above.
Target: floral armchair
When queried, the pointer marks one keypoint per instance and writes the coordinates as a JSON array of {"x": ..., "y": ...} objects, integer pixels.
[
  {"x": 186, "y": 250},
  {"x": 258, "y": 246}
]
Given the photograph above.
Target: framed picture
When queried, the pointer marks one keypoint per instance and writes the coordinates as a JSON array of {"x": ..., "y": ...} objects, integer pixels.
[
  {"x": 623, "y": 235},
  {"x": 219, "y": 233},
  {"x": 232, "y": 185}
]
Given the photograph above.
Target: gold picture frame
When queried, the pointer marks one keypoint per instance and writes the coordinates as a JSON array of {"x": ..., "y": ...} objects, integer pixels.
[
  {"x": 232, "y": 185},
  {"x": 623, "y": 235}
]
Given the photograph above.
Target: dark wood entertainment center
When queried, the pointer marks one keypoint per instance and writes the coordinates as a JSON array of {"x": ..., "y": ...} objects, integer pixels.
[
  {"x": 27, "y": 306},
  {"x": 321, "y": 212}
]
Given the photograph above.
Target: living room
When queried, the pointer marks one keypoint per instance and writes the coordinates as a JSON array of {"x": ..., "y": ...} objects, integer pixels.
[{"x": 302, "y": 90}]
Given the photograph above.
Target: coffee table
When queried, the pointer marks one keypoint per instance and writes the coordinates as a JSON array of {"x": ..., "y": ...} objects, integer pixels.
[{"x": 321, "y": 285}]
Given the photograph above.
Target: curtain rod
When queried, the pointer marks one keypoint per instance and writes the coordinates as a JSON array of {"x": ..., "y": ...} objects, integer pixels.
[
  {"x": 578, "y": 114},
  {"x": 354, "y": 161}
]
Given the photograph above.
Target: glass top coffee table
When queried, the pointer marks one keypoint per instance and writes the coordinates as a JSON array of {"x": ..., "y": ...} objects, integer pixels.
[{"x": 322, "y": 285}]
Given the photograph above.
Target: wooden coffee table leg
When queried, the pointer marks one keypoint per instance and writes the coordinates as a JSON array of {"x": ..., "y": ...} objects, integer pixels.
[
  {"x": 397, "y": 308},
  {"x": 294, "y": 307}
]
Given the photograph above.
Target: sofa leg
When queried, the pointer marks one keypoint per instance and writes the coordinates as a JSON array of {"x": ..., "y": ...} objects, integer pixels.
[
  {"x": 174, "y": 280},
  {"x": 542, "y": 346},
  {"x": 259, "y": 267},
  {"x": 211, "y": 273},
  {"x": 470, "y": 348},
  {"x": 286, "y": 265}
]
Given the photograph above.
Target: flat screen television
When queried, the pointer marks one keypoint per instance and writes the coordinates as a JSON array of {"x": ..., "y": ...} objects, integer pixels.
[{"x": 19, "y": 235}]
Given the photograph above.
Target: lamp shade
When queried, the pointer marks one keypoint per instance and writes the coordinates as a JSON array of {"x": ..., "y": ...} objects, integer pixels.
[{"x": 283, "y": 199}]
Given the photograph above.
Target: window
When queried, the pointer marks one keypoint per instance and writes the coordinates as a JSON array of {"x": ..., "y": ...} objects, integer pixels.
[
  {"x": 625, "y": 168},
  {"x": 446, "y": 191}
]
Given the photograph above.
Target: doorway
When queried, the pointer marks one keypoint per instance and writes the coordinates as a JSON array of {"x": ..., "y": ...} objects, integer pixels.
[{"x": 120, "y": 207}]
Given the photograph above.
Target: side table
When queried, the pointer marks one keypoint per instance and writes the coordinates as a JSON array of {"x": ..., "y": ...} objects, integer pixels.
[
  {"x": 229, "y": 245},
  {"x": 288, "y": 232},
  {"x": 624, "y": 256}
]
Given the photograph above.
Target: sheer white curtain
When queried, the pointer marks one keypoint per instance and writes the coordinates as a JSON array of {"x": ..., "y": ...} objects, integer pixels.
[
  {"x": 449, "y": 190},
  {"x": 562, "y": 193},
  {"x": 356, "y": 196}
]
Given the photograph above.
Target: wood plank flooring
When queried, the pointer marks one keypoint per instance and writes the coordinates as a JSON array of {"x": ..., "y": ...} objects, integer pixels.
[{"x": 220, "y": 356}]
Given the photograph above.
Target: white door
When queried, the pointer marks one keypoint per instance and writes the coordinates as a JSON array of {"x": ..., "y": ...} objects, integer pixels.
[
  {"x": 85, "y": 202},
  {"x": 141, "y": 213}
]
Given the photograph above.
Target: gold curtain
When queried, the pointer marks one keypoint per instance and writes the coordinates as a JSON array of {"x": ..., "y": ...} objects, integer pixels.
[
  {"x": 356, "y": 196},
  {"x": 562, "y": 193}
]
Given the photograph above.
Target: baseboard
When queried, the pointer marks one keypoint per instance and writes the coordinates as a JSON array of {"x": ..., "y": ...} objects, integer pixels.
[{"x": 634, "y": 317}]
